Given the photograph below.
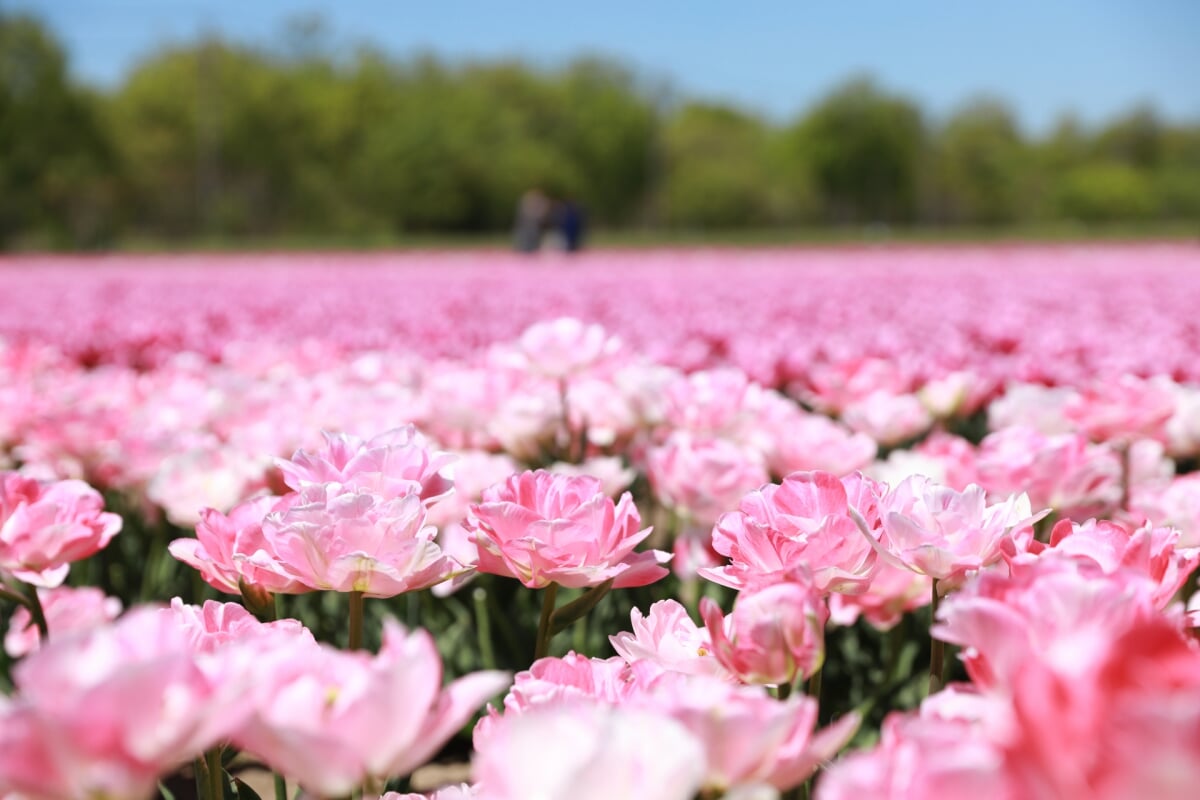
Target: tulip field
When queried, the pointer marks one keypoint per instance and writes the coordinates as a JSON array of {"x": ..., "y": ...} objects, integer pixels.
[{"x": 902, "y": 522}]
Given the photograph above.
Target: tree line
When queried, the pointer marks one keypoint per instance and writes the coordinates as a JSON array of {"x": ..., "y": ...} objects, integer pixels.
[{"x": 217, "y": 139}]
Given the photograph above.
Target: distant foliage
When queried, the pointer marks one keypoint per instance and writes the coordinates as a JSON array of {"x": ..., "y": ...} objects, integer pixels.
[{"x": 217, "y": 140}]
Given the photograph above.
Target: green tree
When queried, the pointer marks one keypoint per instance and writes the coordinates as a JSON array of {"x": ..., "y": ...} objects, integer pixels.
[
  {"x": 979, "y": 166},
  {"x": 865, "y": 149},
  {"x": 56, "y": 165}
]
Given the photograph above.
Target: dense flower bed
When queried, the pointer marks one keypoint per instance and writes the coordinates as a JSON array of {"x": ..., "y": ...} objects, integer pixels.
[{"x": 666, "y": 571}]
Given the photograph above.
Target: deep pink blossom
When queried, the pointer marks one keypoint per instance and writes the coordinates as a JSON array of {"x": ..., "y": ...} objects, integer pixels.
[{"x": 801, "y": 524}]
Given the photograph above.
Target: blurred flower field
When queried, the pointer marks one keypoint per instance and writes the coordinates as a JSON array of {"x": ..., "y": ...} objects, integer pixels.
[{"x": 858, "y": 522}]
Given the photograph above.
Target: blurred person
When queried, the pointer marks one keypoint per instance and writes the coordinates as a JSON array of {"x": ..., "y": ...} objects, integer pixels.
[
  {"x": 533, "y": 214},
  {"x": 571, "y": 224}
]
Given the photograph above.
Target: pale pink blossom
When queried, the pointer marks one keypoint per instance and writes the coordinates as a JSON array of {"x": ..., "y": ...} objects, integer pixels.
[
  {"x": 941, "y": 457},
  {"x": 542, "y": 528},
  {"x": 355, "y": 541},
  {"x": 923, "y": 757},
  {"x": 329, "y": 719},
  {"x": 1176, "y": 505},
  {"x": 1030, "y": 405},
  {"x": 749, "y": 737},
  {"x": 800, "y": 525},
  {"x": 1183, "y": 428},
  {"x": 44, "y": 527},
  {"x": 893, "y": 592},
  {"x": 889, "y": 419},
  {"x": 67, "y": 610},
  {"x": 959, "y": 393},
  {"x": 107, "y": 712},
  {"x": 460, "y": 791},
  {"x": 700, "y": 478},
  {"x": 669, "y": 638},
  {"x": 388, "y": 465},
  {"x": 835, "y": 386},
  {"x": 774, "y": 635},
  {"x": 806, "y": 442},
  {"x": 1122, "y": 410},
  {"x": 206, "y": 476},
  {"x": 589, "y": 751},
  {"x": 1063, "y": 472},
  {"x": 614, "y": 476},
  {"x": 560, "y": 349},
  {"x": 936, "y": 531}
]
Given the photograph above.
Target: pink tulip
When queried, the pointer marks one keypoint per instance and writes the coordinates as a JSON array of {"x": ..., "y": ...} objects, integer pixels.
[
  {"x": 230, "y": 551},
  {"x": 387, "y": 465},
  {"x": 667, "y": 637},
  {"x": 894, "y": 591},
  {"x": 1125, "y": 728},
  {"x": 774, "y": 635},
  {"x": 1176, "y": 505},
  {"x": 1122, "y": 410},
  {"x": 542, "y": 528},
  {"x": 559, "y": 349},
  {"x": 701, "y": 478},
  {"x": 749, "y": 737},
  {"x": 1062, "y": 612},
  {"x": 1064, "y": 472},
  {"x": 45, "y": 527},
  {"x": 803, "y": 525},
  {"x": 67, "y": 610},
  {"x": 354, "y": 540},
  {"x": 945, "y": 534},
  {"x": 330, "y": 720},
  {"x": 805, "y": 442},
  {"x": 888, "y": 419},
  {"x": 209, "y": 475},
  {"x": 106, "y": 713},
  {"x": 924, "y": 757},
  {"x": 589, "y": 751},
  {"x": 453, "y": 792}
]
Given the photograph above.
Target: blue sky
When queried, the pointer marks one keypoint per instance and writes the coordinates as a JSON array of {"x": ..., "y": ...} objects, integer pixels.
[{"x": 1093, "y": 57}]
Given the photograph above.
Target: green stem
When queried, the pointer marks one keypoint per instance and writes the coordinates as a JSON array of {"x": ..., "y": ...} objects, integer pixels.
[
  {"x": 937, "y": 649},
  {"x": 356, "y": 621},
  {"x": 542, "y": 647},
  {"x": 216, "y": 774},
  {"x": 483, "y": 628},
  {"x": 280, "y": 787},
  {"x": 783, "y": 690},
  {"x": 814, "y": 686},
  {"x": 39, "y": 616}
]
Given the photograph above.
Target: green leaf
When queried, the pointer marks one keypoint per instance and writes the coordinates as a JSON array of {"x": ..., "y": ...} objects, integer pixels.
[{"x": 244, "y": 792}]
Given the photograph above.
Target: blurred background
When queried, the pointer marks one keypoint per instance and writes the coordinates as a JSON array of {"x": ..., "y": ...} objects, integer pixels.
[{"x": 145, "y": 124}]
